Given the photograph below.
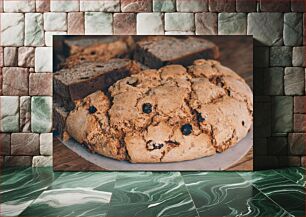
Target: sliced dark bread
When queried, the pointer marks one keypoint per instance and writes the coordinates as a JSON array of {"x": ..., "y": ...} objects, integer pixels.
[
  {"x": 158, "y": 51},
  {"x": 103, "y": 48},
  {"x": 59, "y": 119},
  {"x": 78, "y": 82}
]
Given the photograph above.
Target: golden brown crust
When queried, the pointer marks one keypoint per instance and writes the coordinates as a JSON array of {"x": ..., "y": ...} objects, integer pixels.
[{"x": 189, "y": 113}]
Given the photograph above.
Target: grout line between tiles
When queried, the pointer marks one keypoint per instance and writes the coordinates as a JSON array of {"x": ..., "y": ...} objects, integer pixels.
[
  {"x": 291, "y": 180},
  {"x": 267, "y": 196},
  {"x": 39, "y": 195},
  {"x": 190, "y": 195},
  {"x": 110, "y": 201}
]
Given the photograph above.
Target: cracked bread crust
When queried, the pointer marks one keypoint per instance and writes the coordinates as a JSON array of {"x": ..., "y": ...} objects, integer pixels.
[{"x": 166, "y": 115}]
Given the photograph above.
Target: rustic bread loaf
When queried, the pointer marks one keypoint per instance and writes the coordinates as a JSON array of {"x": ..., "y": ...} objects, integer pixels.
[{"x": 170, "y": 114}]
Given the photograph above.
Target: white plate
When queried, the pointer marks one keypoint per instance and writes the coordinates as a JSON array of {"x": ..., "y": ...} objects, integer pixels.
[{"x": 219, "y": 161}]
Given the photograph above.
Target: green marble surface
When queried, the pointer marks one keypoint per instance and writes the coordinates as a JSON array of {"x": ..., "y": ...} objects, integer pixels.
[
  {"x": 41, "y": 114},
  {"x": 151, "y": 194},
  {"x": 283, "y": 191},
  {"x": 42, "y": 192},
  {"x": 296, "y": 174},
  {"x": 20, "y": 187},
  {"x": 228, "y": 194},
  {"x": 75, "y": 193},
  {"x": 164, "y": 5}
]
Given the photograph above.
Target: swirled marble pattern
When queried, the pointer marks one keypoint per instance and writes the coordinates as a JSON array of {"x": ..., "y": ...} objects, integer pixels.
[
  {"x": 228, "y": 195},
  {"x": 283, "y": 191},
  {"x": 42, "y": 192},
  {"x": 151, "y": 194},
  {"x": 75, "y": 194},
  {"x": 20, "y": 187},
  {"x": 296, "y": 174}
]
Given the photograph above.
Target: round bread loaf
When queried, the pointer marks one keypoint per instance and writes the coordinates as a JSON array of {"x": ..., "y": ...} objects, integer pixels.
[{"x": 166, "y": 115}]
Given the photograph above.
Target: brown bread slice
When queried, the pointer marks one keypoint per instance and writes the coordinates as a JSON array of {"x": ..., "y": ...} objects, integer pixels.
[
  {"x": 78, "y": 82},
  {"x": 59, "y": 119},
  {"x": 93, "y": 48},
  {"x": 156, "y": 52}
]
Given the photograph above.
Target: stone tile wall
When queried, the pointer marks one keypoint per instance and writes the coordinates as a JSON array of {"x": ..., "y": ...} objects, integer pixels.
[{"x": 27, "y": 27}]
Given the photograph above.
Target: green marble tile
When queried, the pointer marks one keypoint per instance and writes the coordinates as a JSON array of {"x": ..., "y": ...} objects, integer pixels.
[
  {"x": 124, "y": 177},
  {"x": 147, "y": 186},
  {"x": 285, "y": 192},
  {"x": 148, "y": 192},
  {"x": 41, "y": 114},
  {"x": 102, "y": 181},
  {"x": 246, "y": 175},
  {"x": 151, "y": 194},
  {"x": 70, "y": 202},
  {"x": 10, "y": 173},
  {"x": 20, "y": 187},
  {"x": 227, "y": 194},
  {"x": 183, "y": 207},
  {"x": 41, "y": 192},
  {"x": 296, "y": 174},
  {"x": 189, "y": 177},
  {"x": 242, "y": 201},
  {"x": 75, "y": 194},
  {"x": 164, "y": 5}
]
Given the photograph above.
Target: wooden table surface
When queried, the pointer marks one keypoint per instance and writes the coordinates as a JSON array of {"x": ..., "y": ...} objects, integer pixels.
[{"x": 236, "y": 53}]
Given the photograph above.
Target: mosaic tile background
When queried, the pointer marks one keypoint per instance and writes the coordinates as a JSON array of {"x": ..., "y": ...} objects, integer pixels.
[{"x": 27, "y": 27}]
